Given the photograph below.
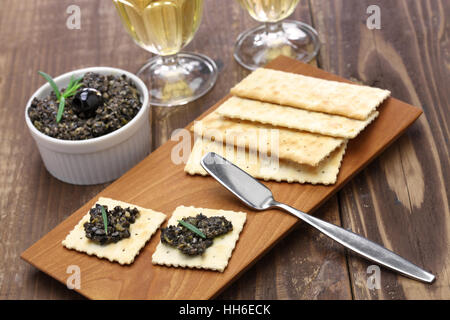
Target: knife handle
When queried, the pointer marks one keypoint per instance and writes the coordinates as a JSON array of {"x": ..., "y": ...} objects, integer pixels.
[{"x": 362, "y": 246}]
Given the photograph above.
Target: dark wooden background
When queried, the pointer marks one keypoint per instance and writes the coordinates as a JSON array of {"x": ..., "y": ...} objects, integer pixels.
[{"x": 400, "y": 200}]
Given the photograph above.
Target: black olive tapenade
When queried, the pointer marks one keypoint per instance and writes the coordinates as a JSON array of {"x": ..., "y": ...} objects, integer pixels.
[
  {"x": 119, "y": 220},
  {"x": 119, "y": 104},
  {"x": 191, "y": 243}
]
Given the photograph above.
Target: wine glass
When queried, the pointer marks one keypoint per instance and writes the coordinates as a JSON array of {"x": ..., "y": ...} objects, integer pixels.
[
  {"x": 256, "y": 47},
  {"x": 164, "y": 27}
]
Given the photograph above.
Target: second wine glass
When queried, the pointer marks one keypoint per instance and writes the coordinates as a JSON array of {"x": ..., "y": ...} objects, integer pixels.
[
  {"x": 256, "y": 47},
  {"x": 164, "y": 27}
]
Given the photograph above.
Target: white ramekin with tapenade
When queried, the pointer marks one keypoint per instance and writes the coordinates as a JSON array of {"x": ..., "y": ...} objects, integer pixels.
[{"x": 101, "y": 159}]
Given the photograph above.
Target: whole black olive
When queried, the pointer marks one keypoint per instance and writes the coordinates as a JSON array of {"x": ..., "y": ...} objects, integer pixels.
[{"x": 86, "y": 102}]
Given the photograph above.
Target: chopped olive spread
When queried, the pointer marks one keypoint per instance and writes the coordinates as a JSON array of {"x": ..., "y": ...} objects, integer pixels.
[
  {"x": 103, "y": 104},
  {"x": 190, "y": 242},
  {"x": 119, "y": 220}
]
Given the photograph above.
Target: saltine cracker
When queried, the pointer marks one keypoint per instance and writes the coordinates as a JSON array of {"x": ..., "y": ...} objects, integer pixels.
[
  {"x": 294, "y": 118},
  {"x": 266, "y": 168},
  {"x": 288, "y": 144},
  {"x": 125, "y": 250},
  {"x": 215, "y": 257},
  {"x": 284, "y": 88}
]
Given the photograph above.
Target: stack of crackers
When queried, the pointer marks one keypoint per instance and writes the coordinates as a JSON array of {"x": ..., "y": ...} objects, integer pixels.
[{"x": 286, "y": 127}]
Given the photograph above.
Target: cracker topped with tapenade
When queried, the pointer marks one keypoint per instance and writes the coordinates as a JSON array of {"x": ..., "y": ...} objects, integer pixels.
[
  {"x": 125, "y": 233},
  {"x": 199, "y": 238}
]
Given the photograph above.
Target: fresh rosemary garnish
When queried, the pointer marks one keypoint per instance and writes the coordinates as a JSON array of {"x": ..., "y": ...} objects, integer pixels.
[
  {"x": 105, "y": 219},
  {"x": 192, "y": 228},
  {"x": 71, "y": 90}
]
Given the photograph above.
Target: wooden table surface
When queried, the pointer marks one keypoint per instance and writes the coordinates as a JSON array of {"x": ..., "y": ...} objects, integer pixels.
[{"x": 400, "y": 200}]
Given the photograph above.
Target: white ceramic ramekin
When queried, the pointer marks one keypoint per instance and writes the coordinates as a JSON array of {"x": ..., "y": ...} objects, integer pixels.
[{"x": 101, "y": 159}]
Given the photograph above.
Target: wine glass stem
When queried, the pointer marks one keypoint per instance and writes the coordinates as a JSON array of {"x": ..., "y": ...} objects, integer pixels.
[
  {"x": 169, "y": 61},
  {"x": 272, "y": 27}
]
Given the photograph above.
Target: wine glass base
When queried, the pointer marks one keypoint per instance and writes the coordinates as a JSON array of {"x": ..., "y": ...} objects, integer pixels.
[
  {"x": 256, "y": 47},
  {"x": 179, "y": 79}
]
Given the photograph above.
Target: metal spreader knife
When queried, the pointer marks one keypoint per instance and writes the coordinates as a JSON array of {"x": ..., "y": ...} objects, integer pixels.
[{"x": 258, "y": 197}]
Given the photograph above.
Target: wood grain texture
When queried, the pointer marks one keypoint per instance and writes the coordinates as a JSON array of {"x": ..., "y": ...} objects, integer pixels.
[
  {"x": 401, "y": 199},
  {"x": 416, "y": 63},
  {"x": 161, "y": 185}
]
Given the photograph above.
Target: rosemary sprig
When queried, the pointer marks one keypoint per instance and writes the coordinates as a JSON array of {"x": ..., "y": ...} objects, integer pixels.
[
  {"x": 71, "y": 90},
  {"x": 62, "y": 103},
  {"x": 192, "y": 228},
  {"x": 105, "y": 219}
]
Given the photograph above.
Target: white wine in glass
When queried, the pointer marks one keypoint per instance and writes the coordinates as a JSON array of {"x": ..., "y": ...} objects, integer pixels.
[
  {"x": 165, "y": 27},
  {"x": 256, "y": 47}
]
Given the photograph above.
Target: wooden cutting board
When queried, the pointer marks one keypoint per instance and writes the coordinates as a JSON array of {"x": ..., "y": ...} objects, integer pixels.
[{"x": 159, "y": 184}]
